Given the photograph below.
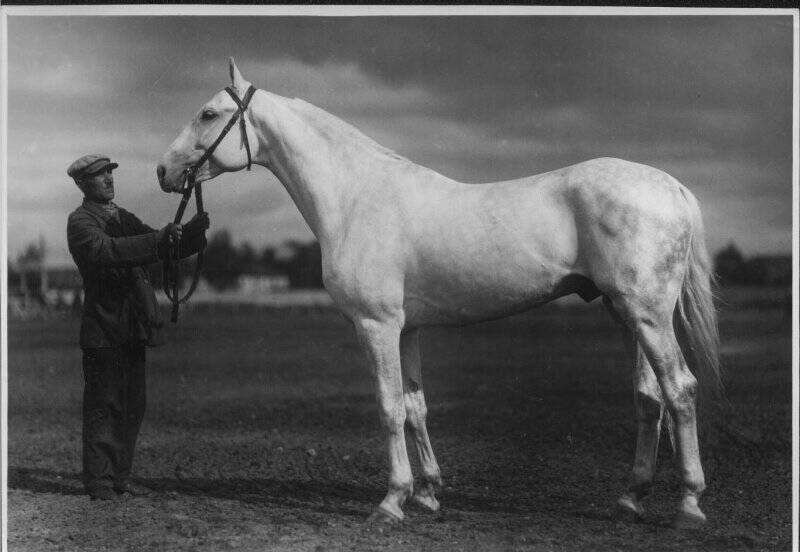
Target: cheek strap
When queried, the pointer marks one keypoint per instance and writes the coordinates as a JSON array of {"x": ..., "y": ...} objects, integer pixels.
[{"x": 242, "y": 104}]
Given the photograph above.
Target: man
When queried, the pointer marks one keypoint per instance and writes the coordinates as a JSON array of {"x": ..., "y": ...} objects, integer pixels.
[{"x": 120, "y": 316}]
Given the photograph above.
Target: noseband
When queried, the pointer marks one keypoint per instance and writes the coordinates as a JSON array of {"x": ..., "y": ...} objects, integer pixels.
[{"x": 171, "y": 263}]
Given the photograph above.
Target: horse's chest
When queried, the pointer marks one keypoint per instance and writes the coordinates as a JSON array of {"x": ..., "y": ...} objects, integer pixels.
[{"x": 363, "y": 279}]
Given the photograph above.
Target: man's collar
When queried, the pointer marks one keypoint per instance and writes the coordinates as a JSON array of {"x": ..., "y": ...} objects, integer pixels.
[{"x": 106, "y": 211}]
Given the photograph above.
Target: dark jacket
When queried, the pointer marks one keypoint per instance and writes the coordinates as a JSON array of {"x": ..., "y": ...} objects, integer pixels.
[{"x": 110, "y": 255}]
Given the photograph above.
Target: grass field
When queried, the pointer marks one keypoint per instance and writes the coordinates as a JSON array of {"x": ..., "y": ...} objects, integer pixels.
[{"x": 262, "y": 433}]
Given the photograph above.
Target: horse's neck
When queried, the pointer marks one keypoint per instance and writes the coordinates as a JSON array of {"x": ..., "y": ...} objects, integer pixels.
[{"x": 318, "y": 180}]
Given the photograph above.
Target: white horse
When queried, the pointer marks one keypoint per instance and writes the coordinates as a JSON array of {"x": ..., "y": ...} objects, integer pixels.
[{"x": 404, "y": 247}]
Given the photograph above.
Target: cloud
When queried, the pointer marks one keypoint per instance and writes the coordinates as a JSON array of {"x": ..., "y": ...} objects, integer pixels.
[
  {"x": 66, "y": 79},
  {"x": 430, "y": 140},
  {"x": 732, "y": 219},
  {"x": 38, "y": 161},
  {"x": 719, "y": 178},
  {"x": 341, "y": 87}
]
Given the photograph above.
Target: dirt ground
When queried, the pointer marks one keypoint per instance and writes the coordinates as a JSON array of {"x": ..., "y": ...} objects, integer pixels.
[{"x": 262, "y": 434}]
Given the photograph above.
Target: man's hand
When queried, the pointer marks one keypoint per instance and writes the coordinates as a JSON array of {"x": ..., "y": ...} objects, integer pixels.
[
  {"x": 170, "y": 234},
  {"x": 199, "y": 223}
]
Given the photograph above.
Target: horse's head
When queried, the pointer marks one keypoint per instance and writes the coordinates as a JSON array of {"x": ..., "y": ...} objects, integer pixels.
[{"x": 195, "y": 149}]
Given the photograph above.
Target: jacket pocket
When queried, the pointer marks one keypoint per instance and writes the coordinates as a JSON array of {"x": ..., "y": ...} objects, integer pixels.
[{"x": 146, "y": 307}]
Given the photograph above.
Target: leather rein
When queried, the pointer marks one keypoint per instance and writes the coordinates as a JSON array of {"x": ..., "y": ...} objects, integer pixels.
[{"x": 171, "y": 263}]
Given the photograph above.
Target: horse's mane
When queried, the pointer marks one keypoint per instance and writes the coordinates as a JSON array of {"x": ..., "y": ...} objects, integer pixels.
[{"x": 337, "y": 128}]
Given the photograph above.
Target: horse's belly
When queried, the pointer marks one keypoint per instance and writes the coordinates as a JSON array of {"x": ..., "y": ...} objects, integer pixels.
[
  {"x": 497, "y": 262},
  {"x": 424, "y": 311},
  {"x": 466, "y": 296}
]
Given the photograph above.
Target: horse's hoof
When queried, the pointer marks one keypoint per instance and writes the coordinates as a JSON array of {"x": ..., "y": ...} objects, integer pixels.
[
  {"x": 629, "y": 510},
  {"x": 427, "y": 502},
  {"x": 381, "y": 517},
  {"x": 687, "y": 520}
]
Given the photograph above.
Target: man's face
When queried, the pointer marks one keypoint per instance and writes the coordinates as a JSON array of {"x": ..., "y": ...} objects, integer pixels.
[{"x": 99, "y": 187}]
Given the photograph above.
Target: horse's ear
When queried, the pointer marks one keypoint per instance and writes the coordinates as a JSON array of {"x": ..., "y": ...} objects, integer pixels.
[{"x": 237, "y": 80}]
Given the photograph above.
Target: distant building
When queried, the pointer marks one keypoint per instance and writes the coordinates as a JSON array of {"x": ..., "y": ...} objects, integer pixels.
[
  {"x": 54, "y": 285},
  {"x": 35, "y": 281},
  {"x": 257, "y": 283},
  {"x": 765, "y": 270}
]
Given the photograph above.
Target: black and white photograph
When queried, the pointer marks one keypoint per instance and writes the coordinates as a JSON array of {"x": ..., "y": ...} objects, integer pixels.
[{"x": 403, "y": 278}]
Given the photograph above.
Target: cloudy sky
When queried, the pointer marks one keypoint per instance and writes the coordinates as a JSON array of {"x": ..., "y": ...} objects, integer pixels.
[{"x": 706, "y": 98}]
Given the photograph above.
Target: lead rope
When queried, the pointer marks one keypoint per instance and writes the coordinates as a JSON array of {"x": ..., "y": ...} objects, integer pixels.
[{"x": 171, "y": 268}]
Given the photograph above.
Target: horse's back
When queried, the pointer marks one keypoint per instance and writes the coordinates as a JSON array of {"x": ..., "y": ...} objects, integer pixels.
[
  {"x": 481, "y": 250},
  {"x": 547, "y": 217}
]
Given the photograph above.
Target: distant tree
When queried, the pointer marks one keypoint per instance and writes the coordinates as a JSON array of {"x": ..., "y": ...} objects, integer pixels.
[
  {"x": 13, "y": 277},
  {"x": 730, "y": 266},
  {"x": 246, "y": 258},
  {"x": 221, "y": 263},
  {"x": 29, "y": 264},
  {"x": 33, "y": 253},
  {"x": 305, "y": 268},
  {"x": 267, "y": 260},
  {"x": 272, "y": 261},
  {"x": 773, "y": 270}
]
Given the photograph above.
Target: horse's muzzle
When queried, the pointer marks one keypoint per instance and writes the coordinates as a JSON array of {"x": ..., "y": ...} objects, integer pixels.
[{"x": 161, "y": 173}]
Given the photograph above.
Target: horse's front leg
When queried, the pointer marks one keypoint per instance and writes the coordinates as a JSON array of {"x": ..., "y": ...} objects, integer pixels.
[
  {"x": 381, "y": 343},
  {"x": 417, "y": 412}
]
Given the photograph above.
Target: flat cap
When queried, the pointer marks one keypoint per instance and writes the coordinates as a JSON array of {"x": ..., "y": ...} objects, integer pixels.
[{"x": 90, "y": 164}]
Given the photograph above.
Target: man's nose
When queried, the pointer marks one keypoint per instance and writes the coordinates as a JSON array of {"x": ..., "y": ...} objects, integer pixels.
[{"x": 161, "y": 171}]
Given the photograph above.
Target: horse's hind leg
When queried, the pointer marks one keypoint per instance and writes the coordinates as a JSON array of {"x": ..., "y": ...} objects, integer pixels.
[
  {"x": 416, "y": 414},
  {"x": 649, "y": 408},
  {"x": 651, "y": 321}
]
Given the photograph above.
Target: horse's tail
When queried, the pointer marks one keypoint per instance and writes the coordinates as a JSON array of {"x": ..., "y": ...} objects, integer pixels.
[
  {"x": 696, "y": 316},
  {"x": 695, "y": 319}
]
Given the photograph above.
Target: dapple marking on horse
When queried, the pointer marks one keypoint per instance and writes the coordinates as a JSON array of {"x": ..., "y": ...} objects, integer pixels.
[{"x": 404, "y": 247}]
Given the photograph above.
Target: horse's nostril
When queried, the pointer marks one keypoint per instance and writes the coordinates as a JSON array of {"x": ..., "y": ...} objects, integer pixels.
[{"x": 161, "y": 171}]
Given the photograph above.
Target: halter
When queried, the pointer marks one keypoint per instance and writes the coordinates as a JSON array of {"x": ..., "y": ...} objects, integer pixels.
[{"x": 171, "y": 268}]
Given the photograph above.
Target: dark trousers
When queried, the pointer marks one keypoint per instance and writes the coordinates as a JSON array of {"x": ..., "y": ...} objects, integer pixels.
[{"x": 113, "y": 408}]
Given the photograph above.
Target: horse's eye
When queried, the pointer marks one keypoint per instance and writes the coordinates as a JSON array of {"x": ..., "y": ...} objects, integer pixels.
[{"x": 208, "y": 115}]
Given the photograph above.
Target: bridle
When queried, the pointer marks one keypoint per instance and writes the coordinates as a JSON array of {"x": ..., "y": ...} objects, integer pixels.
[{"x": 171, "y": 263}]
